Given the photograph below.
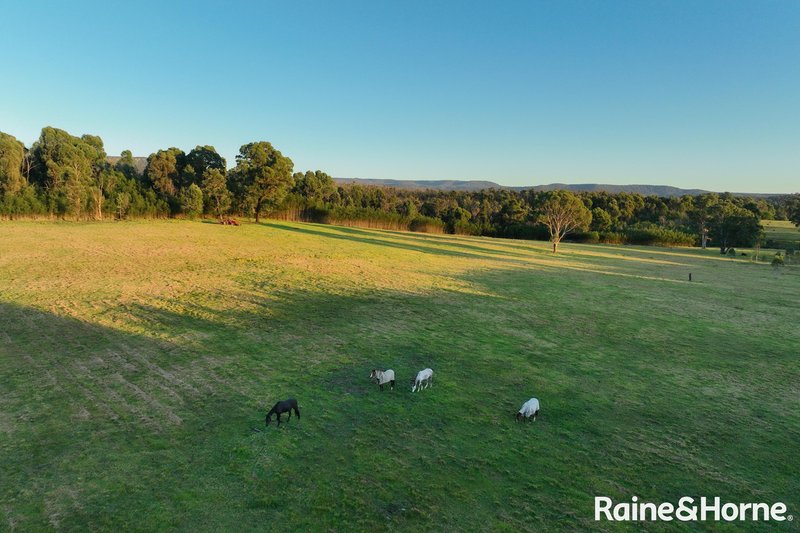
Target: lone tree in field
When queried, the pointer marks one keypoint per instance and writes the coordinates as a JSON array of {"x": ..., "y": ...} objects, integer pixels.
[
  {"x": 732, "y": 226},
  {"x": 262, "y": 177},
  {"x": 563, "y": 212}
]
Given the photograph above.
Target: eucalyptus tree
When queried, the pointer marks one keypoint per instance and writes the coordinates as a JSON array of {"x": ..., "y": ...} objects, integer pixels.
[
  {"x": 731, "y": 225},
  {"x": 191, "y": 199},
  {"x": 198, "y": 161},
  {"x": 12, "y": 162},
  {"x": 601, "y": 220},
  {"x": 316, "y": 187},
  {"x": 701, "y": 215},
  {"x": 262, "y": 177},
  {"x": 164, "y": 171},
  {"x": 215, "y": 192},
  {"x": 103, "y": 177},
  {"x": 793, "y": 208},
  {"x": 563, "y": 212},
  {"x": 72, "y": 169},
  {"x": 127, "y": 165}
]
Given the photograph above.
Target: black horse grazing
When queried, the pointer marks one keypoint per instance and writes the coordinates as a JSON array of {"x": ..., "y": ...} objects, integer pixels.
[{"x": 282, "y": 407}]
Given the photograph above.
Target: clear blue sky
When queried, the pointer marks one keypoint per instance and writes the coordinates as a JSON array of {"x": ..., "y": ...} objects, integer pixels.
[{"x": 686, "y": 93}]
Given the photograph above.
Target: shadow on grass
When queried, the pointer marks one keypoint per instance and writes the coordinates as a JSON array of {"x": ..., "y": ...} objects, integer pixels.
[
  {"x": 443, "y": 240},
  {"x": 92, "y": 417},
  {"x": 366, "y": 237},
  {"x": 582, "y": 259},
  {"x": 101, "y": 427},
  {"x": 152, "y": 429},
  {"x": 104, "y": 423}
]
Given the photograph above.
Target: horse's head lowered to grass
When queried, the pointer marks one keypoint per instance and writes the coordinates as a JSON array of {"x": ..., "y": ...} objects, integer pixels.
[{"x": 282, "y": 407}]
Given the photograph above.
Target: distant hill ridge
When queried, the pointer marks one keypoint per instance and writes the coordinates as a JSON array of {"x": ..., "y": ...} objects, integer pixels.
[
  {"x": 464, "y": 185},
  {"x": 440, "y": 185},
  {"x": 476, "y": 185},
  {"x": 645, "y": 190}
]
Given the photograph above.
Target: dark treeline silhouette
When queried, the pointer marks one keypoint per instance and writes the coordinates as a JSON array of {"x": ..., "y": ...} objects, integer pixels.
[{"x": 69, "y": 177}]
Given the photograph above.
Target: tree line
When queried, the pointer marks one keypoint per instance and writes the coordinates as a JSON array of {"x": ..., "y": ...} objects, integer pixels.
[{"x": 65, "y": 176}]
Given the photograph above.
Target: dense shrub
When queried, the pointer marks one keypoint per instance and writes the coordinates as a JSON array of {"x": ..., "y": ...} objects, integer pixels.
[
  {"x": 522, "y": 231},
  {"x": 426, "y": 225},
  {"x": 463, "y": 227},
  {"x": 25, "y": 203},
  {"x": 359, "y": 217},
  {"x": 589, "y": 237},
  {"x": 191, "y": 199},
  {"x": 612, "y": 237},
  {"x": 654, "y": 235}
]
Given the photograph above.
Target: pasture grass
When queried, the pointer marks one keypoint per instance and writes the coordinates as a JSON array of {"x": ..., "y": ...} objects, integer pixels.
[
  {"x": 135, "y": 359},
  {"x": 781, "y": 230}
]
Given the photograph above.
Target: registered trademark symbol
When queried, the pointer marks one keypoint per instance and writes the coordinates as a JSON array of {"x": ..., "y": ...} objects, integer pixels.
[{"x": 790, "y": 517}]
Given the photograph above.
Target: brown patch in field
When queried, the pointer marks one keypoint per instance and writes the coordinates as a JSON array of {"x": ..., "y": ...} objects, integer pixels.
[
  {"x": 59, "y": 502},
  {"x": 170, "y": 377},
  {"x": 7, "y": 425},
  {"x": 157, "y": 408},
  {"x": 68, "y": 379},
  {"x": 205, "y": 371},
  {"x": 54, "y": 511},
  {"x": 11, "y": 521},
  {"x": 154, "y": 383},
  {"x": 71, "y": 379}
]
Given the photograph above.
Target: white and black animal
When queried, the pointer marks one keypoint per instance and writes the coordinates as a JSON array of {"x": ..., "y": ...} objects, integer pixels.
[
  {"x": 383, "y": 377},
  {"x": 529, "y": 410},
  {"x": 424, "y": 379}
]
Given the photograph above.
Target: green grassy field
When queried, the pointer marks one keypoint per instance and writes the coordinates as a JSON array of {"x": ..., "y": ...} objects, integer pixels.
[
  {"x": 781, "y": 230},
  {"x": 136, "y": 357}
]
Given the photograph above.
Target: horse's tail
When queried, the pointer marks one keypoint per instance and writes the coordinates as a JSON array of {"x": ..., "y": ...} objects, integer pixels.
[{"x": 297, "y": 411}]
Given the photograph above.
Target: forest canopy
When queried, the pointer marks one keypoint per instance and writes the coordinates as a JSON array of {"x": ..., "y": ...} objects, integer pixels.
[{"x": 68, "y": 177}]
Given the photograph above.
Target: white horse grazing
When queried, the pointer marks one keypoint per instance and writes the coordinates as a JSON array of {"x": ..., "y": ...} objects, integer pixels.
[
  {"x": 529, "y": 409},
  {"x": 383, "y": 376},
  {"x": 424, "y": 377}
]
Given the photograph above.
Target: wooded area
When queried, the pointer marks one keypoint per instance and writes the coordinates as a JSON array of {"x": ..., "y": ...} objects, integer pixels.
[{"x": 68, "y": 177}]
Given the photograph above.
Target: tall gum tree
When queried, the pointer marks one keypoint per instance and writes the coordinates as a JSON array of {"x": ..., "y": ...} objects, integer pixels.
[
  {"x": 12, "y": 162},
  {"x": 198, "y": 162},
  {"x": 70, "y": 168},
  {"x": 563, "y": 212},
  {"x": 215, "y": 192},
  {"x": 164, "y": 171},
  {"x": 262, "y": 177},
  {"x": 102, "y": 178},
  {"x": 793, "y": 209},
  {"x": 731, "y": 225}
]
